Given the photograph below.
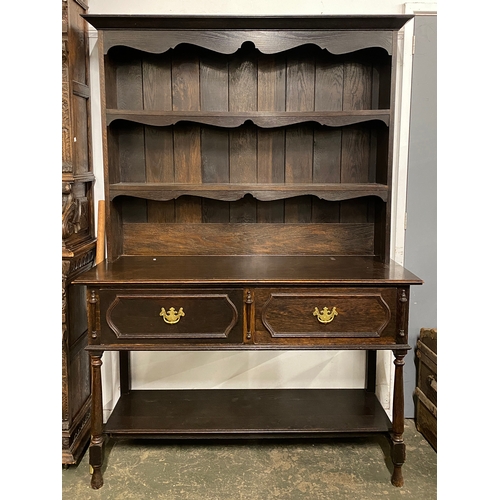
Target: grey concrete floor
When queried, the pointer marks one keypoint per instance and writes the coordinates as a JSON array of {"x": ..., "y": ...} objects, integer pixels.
[{"x": 354, "y": 468}]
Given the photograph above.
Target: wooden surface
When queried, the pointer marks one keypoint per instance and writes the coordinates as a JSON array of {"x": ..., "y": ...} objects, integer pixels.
[
  {"x": 248, "y": 180},
  {"x": 260, "y": 191},
  {"x": 246, "y": 238},
  {"x": 181, "y": 270},
  {"x": 426, "y": 390},
  {"x": 230, "y": 413},
  {"x": 78, "y": 243},
  {"x": 377, "y": 22},
  {"x": 195, "y": 136},
  {"x": 263, "y": 119}
]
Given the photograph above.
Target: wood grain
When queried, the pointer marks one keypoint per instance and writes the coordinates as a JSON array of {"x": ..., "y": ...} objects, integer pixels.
[{"x": 247, "y": 239}]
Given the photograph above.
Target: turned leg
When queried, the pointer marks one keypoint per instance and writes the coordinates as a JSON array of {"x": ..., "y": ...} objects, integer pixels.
[
  {"x": 96, "y": 447},
  {"x": 398, "y": 445}
]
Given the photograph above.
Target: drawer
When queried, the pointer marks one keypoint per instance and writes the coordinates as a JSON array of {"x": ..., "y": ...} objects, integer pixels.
[
  {"x": 333, "y": 313},
  {"x": 170, "y": 316}
]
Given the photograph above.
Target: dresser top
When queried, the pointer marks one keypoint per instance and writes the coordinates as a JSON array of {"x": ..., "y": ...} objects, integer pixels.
[{"x": 248, "y": 270}]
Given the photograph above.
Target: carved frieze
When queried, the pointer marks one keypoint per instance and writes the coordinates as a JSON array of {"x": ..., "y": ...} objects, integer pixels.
[{"x": 66, "y": 110}]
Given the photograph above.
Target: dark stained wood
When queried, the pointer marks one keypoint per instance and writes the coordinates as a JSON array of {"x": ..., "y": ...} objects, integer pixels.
[
  {"x": 398, "y": 445},
  {"x": 78, "y": 241},
  {"x": 315, "y": 23},
  {"x": 159, "y": 158},
  {"x": 360, "y": 313},
  {"x": 270, "y": 42},
  {"x": 271, "y": 97},
  {"x": 426, "y": 390},
  {"x": 131, "y": 154},
  {"x": 159, "y": 155},
  {"x": 251, "y": 413},
  {"x": 243, "y": 141},
  {"x": 134, "y": 316},
  {"x": 187, "y": 164},
  {"x": 96, "y": 448},
  {"x": 156, "y": 81},
  {"x": 214, "y": 95},
  {"x": 299, "y": 140},
  {"x": 244, "y": 238},
  {"x": 355, "y": 164},
  {"x": 129, "y": 81},
  {"x": 158, "y": 143},
  {"x": 247, "y": 166},
  {"x": 263, "y": 119},
  {"x": 264, "y": 192},
  {"x": 187, "y": 151},
  {"x": 260, "y": 269}
]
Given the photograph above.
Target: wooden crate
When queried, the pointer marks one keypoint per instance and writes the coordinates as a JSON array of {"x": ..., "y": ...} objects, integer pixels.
[{"x": 426, "y": 390}]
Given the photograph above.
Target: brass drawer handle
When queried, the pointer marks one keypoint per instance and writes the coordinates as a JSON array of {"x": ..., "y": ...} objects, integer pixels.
[
  {"x": 325, "y": 316},
  {"x": 172, "y": 316}
]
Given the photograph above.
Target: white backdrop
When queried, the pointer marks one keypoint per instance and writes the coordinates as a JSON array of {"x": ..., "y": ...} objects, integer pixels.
[{"x": 156, "y": 370}]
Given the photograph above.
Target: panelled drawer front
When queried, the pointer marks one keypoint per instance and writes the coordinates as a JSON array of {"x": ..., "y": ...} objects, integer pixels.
[
  {"x": 333, "y": 313},
  {"x": 171, "y": 316}
]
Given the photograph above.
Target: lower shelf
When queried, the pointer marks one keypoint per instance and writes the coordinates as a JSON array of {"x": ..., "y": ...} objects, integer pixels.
[{"x": 246, "y": 413}]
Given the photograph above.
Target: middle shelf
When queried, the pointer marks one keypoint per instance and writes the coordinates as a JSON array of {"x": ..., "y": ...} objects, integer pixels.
[
  {"x": 263, "y": 119},
  {"x": 236, "y": 191}
]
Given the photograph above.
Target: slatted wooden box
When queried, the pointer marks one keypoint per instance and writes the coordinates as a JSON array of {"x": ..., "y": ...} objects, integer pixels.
[{"x": 426, "y": 391}]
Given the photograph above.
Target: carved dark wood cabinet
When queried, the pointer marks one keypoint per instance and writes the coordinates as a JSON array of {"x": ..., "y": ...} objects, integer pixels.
[
  {"x": 248, "y": 206},
  {"x": 78, "y": 243}
]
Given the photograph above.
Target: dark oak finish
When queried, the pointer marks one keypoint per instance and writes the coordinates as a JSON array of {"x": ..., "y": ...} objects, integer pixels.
[
  {"x": 260, "y": 191},
  {"x": 251, "y": 413},
  {"x": 133, "y": 271},
  {"x": 248, "y": 187},
  {"x": 263, "y": 119},
  {"x": 78, "y": 243},
  {"x": 217, "y": 23}
]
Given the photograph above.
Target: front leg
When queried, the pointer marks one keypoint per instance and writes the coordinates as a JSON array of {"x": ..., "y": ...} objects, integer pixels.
[
  {"x": 96, "y": 448},
  {"x": 398, "y": 445}
]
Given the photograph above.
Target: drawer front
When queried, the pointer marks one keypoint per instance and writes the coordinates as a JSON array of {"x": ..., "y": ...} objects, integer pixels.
[
  {"x": 333, "y": 313},
  {"x": 170, "y": 316}
]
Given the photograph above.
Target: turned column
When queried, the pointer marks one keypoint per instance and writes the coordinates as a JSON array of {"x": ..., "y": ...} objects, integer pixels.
[
  {"x": 96, "y": 448},
  {"x": 398, "y": 454}
]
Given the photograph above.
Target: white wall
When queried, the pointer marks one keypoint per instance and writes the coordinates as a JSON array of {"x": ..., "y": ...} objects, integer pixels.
[{"x": 262, "y": 369}]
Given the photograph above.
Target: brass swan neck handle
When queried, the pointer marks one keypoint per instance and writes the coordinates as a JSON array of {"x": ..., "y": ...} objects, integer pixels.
[
  {"x": 325, "y": 316},
  {"x": 172, "y": 316}
]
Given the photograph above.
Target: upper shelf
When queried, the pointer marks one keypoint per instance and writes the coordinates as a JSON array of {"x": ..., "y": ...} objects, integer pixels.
[
  {"x": 263, "y": 119},
  {"x": 234, "y": 192}
]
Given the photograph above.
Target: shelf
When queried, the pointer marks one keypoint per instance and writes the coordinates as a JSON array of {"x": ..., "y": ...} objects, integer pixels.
[
  {"x": 263, "y": 119},
  {"x": 234, "y": 192},
  {"x": 229, "y": 413}
]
